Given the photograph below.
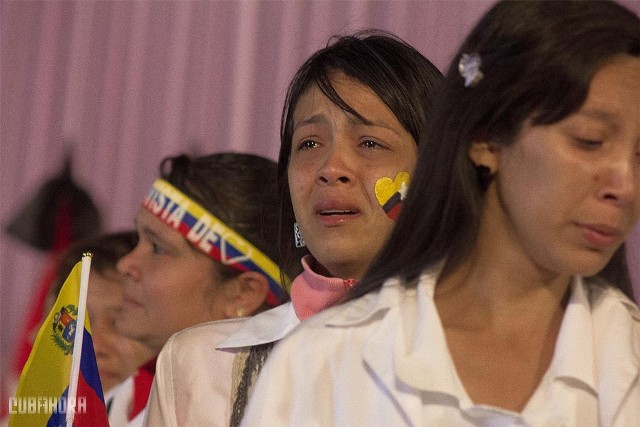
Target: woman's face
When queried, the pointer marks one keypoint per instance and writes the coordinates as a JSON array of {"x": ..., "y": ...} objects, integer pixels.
[
  {"x": 169, "y": 286},
  {"x": 118, "y": 356},
  {"x": 336, "y": 162},
  {"x": 568, "y": 194}
]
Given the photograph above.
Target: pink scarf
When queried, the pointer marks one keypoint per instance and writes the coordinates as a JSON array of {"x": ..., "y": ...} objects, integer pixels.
[{"x": 311, "y": 292}]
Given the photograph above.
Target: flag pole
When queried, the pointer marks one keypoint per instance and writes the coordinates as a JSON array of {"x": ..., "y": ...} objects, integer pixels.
[{"x": 77, "y": 341}]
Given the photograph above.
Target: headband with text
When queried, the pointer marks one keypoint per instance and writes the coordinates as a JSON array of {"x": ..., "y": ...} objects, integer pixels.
[{"x": 212, "y": 236}]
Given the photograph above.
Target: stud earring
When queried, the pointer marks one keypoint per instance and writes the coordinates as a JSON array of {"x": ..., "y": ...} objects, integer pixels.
[
  {"x": 240, "y": 312},
  {"x": 298, "y": 236}
]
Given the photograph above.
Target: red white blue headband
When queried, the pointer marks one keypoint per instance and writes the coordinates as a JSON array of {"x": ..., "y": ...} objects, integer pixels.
[{"x": 213, "y": 237}]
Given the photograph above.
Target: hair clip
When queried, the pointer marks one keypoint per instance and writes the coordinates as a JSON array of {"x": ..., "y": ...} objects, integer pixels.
[{"x": 469, "y": 68}]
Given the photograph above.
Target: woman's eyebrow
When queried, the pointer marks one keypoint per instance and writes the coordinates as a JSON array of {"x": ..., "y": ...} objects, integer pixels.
[
  {"x": 376, "y": 123},
  {"x": 147, "y": 232},
  {"x": 604, "y": 116},
  {"x": 312, "y": 120}
]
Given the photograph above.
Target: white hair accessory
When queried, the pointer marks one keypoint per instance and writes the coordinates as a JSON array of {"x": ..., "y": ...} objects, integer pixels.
[{"x": 469, "y": 68}]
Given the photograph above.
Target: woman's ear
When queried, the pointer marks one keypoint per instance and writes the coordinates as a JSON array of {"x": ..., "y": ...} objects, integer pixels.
[
  {"x": 248, "y": 293},
  {"x": 483, "y": 152}
]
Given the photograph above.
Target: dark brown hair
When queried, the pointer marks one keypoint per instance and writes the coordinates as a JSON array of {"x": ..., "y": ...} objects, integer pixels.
[
  {"x": 107, "y": 249},
  {"x": 238, "y": 188},
  {"x": 538, "y": 59}
]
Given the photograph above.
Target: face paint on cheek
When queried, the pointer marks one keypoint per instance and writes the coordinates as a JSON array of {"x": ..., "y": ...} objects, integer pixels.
[{"x": 391, "y": 193}]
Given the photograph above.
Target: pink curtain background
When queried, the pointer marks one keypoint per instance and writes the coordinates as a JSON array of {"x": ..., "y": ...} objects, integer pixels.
[{"x": 122, "y": 84}]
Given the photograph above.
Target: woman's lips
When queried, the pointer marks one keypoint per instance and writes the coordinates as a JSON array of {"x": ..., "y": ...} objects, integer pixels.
[
  {"x": 335, "y": 212},
  {"x": 130, "y": 301},
  {"x": 334, "y": 217},
  {"x": 599, "y": 236}
]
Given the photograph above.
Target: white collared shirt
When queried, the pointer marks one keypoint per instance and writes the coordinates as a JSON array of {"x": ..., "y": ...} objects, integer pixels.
[
  {"x": 383, "y": 360},
  {"x": 266, "y": 327},
  {"x": 193, "y": 381}
]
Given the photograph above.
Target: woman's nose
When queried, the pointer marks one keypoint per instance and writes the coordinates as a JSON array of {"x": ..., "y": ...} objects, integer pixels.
[
  {"x": 127, "y": 265},
  {"x": 336, "y": 168},
  {"x": 622, "y": 181}
]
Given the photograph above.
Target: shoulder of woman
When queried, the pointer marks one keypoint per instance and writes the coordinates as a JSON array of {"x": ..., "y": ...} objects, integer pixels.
[
  {"x": 616, "y": 322},
  {"x": 202, "y": 337},
  {"x": 605, "y": 298}
]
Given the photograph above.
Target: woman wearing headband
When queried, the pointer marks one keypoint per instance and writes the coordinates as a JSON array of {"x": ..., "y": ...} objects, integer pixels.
[
  {"x": 206, "y": 247},
  {"x": 353, "y": 116},
  {"x": 493, "y": 303}
]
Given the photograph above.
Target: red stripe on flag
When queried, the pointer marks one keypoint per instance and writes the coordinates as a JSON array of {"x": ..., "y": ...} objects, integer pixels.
[{"x": 95, "y": 413}]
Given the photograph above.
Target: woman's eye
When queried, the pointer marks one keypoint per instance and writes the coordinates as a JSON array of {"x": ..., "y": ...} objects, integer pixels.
[
  {"x": 157, "y": 249},
  {"x": 589, "y": 143},
  {"x": 371, "y": 144},
  {"x": 307, "y": 144}
]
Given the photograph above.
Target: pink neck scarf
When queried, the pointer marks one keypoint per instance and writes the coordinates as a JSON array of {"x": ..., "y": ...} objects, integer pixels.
[{"x": 311, "y": 292}]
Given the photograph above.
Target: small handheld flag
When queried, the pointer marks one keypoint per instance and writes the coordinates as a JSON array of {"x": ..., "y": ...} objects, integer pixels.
[{"x": 61, "y": 386}]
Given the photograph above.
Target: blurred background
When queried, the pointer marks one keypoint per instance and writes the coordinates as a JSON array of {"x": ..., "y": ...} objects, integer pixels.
[{"x": 95, "y": 93}]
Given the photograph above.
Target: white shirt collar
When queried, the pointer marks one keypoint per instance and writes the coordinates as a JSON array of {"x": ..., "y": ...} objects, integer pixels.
[
  {"x": 269, "y": 326},
  {"x": 575, "y": 337},
  {"x": 598, "y": 345},
  {"x": 421, "y": 347}
]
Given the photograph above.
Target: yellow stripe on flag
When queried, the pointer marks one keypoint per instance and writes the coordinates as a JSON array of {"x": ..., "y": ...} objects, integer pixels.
[{"x": 46, "y": 374}]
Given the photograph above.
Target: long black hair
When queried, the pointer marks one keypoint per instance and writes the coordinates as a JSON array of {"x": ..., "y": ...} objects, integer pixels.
[{"x": 538, "y": 59}]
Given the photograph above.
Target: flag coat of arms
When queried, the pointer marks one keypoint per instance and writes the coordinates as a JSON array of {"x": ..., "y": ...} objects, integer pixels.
[{"x": 42, "y": 398}]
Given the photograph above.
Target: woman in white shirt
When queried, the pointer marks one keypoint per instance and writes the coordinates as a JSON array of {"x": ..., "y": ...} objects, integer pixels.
[
  {"x": 205, "y": 251},
  {"x": 354, "y": 114},
  {"x": 498, "y": 298}
]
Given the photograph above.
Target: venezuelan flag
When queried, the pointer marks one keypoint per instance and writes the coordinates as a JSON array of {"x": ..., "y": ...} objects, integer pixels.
[{"x": 42, "y": 395}]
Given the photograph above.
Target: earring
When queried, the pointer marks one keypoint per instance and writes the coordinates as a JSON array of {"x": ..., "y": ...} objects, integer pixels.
[
  {"x": 240, "y": 312},
  {"x": 298, "y": 236}
]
